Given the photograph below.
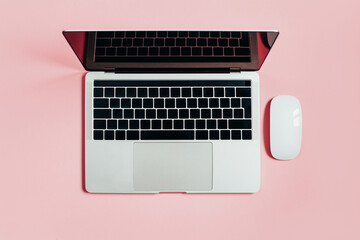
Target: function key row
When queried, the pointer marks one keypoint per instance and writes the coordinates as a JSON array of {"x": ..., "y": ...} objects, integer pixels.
[
  {"x": 172, "y": 92},
  {"x": 173, "y": 135},
  {"x": 153, "y": 34}
]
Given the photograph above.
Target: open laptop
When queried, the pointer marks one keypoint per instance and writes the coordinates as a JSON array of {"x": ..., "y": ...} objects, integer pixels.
[{"x": 172, "y": 111}]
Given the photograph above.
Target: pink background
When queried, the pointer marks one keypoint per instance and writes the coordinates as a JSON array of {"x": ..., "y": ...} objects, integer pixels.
[{"x": 315, "y": 58}]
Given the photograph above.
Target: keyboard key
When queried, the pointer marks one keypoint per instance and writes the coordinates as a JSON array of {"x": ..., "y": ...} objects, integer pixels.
[
  {"x": 100, "y": 51},
  {"x": 112, "y": 124},
  {"x": 214, "y": 34},
  {"x": 227, "y": 113},
  {"x": 191, "y": 42},
  {"x": 172, "y": 34},
  {"x": 239, "y": 124},
  {"x": 120, "y": 92},
  {"x": 230, "y": 92},
  {"x": 172, "y": 113},
  {"x": 235, "y": 102},
  {"x": 156, "y": 124},
  {"x": 180, "y": 42},
  {"x": 185, "y": 51},
  {"x": 167, "y": 135},
  {"x": 244, "y": 42},
  {"x": 214, "y": 135},
  {"x": 243, "y": 92},
  {"x": 214, "y": 102},
  {"x": 134, "y": 124},
  {"x": 117, "y": 113},
  {"x": 145, "y": 124},
  {"x": 180, "y": 103},
  {"x": 120, "y": 135},
  {"x": 142, "y": 92},
  {"x": 159, "y": 42},
  {"x": 125, "y": 103},
  {"x": 150, "y": 113},
  {"x": 216, "y": 113},
  {"x": 205, "y": 113},
  {"x": 98, "y": 135},
  {"x": 183, "y": 34},
  {"x": 136, "y": 103},
  {"x": 167, "y": 124},
  {"x": 121, "y": 51},
  {"x": 102, "y": 113},
  {"x": 191, "y": 103},
  {"x": 223, "y": 42},
  {"x": 139, "y": 113},
  {"x": 193, "y": 34},
  {"x": 203, "y": 102},
  {"x": 153, "y": 51},
  {"x": 196, "y": 51},
  {"x": 130, "y": 34},
  {"x": 103, "y": 42},
  {"x": 194, "y": 113},
  {"x": 161, "y": 113},
  {"x": 109, "y": 135},
  {"x": 201, "y": 135},
  {"x": 225, "y": 134},
  {"x": 128, "y": 113},
  {"x": 236, "y": 134},
  {"x": 235, "y": 34},
  {"x": 151, "y": 34},
  {"x": 208, "y": 92},
  {"x": 175, "y": 51},
  {"x": 115, "y": 103},
  {"x": 246, "y": 104},
  {"x": 234, "y": 42},
  {"x": 148, "y": 103},
  {"x": 242, "y": 51},
  {"x": 99, "y": 124},
  {"x": 238, "y": 113},
  {"x": 219, "y": 92},
  {"x": 186, "y": 92},
  {"x": 197, "y": 92},
  {"x": 170, "y": 103},
  {"x": 138, "y": 42},
  {"x": 153, "y": 92},
  {"x": 148, "y": 42},
  {"x": 225, "y": 34},
  {"x": 189, "y": 124},
  {"x": 131, "y": 92},
  {"x": 201, "y": 42},
  {"x": 211, "y": 124},
  {"x": 110, "y": 51},
  {"x": 162, "y": 34},
  {"x": 98, "y": 92},
  {"x": 159, "y": 103},
  {"x": 207, "y": 51},
  {"x": 132, "y": 135},
  {"x": 218, "y": 51},
  {"x": 246, "y": 135},
  {"x": 178, "y": 124},
  {"x": 222, "y": 124},
  {"x": 164, "y": 51},
  {"x": 184, "y": 113},
  {"x": 200, "y": 124},
  {"x": 204, "y": 34},
  {"x": 224, "y": 102},
  {"x": 123, "y": 124},
  {"x": 164, "y": 92},
  {"x": 101, "y": 103},
  {"x": 175, "y": 92}
]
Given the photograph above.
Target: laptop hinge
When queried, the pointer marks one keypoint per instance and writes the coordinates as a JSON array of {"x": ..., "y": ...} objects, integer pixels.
[
  {"x": 169, "y": 70},
  {"x": 235, "y": 70}
]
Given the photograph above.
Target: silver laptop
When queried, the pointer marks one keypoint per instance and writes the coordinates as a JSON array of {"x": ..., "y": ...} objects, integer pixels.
[{"x": 172, "y": 111}]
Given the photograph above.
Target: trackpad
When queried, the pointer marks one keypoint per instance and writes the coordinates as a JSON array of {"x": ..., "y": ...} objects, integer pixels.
[{"x": 173, "y": 166}]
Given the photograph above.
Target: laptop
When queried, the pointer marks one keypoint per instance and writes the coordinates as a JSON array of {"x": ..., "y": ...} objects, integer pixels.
[{"x": 172, "y": 111}]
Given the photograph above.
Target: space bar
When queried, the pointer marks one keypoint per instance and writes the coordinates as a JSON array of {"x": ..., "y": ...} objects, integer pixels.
[{"x": 167, "y": 135}]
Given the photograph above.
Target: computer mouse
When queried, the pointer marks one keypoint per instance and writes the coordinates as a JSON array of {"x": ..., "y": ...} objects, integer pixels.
[{"x": 285, "y": 127}]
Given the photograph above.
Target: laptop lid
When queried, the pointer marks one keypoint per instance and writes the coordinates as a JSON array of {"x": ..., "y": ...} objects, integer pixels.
[{"x": 171, "y": 51}]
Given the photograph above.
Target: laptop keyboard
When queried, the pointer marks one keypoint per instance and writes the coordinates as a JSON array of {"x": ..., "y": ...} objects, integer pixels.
[
  {"x": 172, "y": 110},
  {"x": 172, "y": 46}
]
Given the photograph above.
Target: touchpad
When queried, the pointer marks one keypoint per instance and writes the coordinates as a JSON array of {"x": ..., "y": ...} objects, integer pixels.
[{"x": 173, "y": 166}]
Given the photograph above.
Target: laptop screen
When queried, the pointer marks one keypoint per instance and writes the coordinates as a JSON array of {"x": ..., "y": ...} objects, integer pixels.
[{"x": 197, "y": 50}]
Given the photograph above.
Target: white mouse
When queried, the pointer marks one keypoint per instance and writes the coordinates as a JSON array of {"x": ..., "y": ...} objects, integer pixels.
[{"x": 285, "y": 127}]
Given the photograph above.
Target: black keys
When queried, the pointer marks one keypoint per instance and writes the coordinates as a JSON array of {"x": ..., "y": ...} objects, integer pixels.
[
  {"x": 246, "y": 134},
  {"x": 109, "y": 92},
  {"x": 156, "y": 124},
  {"x": 123, "y": 124},
  {"x": 200, "y": 124},
  {"x": 214, "y": 135},
  {"x": 111, "y": 124},
  {"x": 197, "y": 92},
  {"x": 148, "y": 103},
  {"x": 125, "y": 103},
  {"x": 133, "y": 135},
  {"x": 236, "y": 134},
  {"x": 246, "y": 104},
  {"x": 120, "y": 135},
  {"x": 153, "y": 92},
  {"x": 128, "y": 113},
  {"x": 109, "y": 135},
  {"x": 114, "y": 103},
  {"x": 225, "y": 134},
  {"x": 202, "y": 135},
  {"x": 172, "y": 113},
  {"x": 117, "y": 113},
  {"x": 101, "y": 103},
  {"x": 150, "y": 113},
  {"x": 98, "y": 135},
  {"x": 120, "y": 92},
  {"x": 203, "y": 102},
  {"x": 98, "y": 92},
  {"x": 211, "y": 124},
  {"x": 159, "y": 103},
  {"x": 164, "y": 92},
  {"x": 145, "y": 124},
  {"x": 168, "y": 135},
  {"x": 175, "y": 92},
  {"x": 180, "y": 103},
  {"x": 239, "y": 124},
  {"x": 167, "y": 124},
  {"x": 142, "y": 92},
  {"x": 186, "y": 92},
  {"x": 243, "y": 92},
  {"x": 169, "y": 103},
  {"x": 139, "y": 113},
  {"x": 134, "y": 124},
  {"x": 102, "y": 113},
  {"x": 136, "y": 103},
  {"x": 99, "y": 124},
  {"x": 178, "y": 124}
]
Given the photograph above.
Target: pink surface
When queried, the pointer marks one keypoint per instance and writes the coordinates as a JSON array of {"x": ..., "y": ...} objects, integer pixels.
[{"x": 315, "y": 58}]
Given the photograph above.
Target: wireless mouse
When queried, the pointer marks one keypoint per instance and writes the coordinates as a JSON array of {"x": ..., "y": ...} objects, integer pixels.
[{"x": 285, "y": 127}]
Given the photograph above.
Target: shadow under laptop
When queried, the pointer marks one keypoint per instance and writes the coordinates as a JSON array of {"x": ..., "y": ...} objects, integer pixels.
[{"x": 266, "y": 129}]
